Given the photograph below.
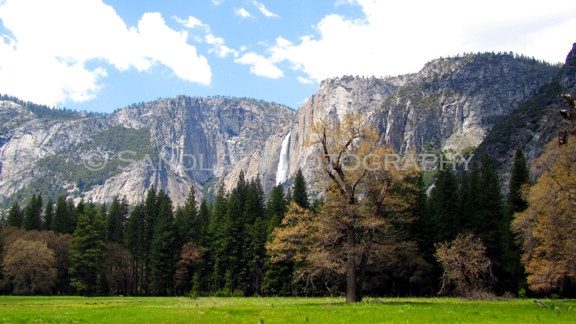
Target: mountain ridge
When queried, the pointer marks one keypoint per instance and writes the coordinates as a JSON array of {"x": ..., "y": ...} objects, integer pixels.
[{"x": 450, "y": 105}]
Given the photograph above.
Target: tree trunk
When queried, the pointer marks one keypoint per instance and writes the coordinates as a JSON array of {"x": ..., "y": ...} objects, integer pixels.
[
  {"x": 363, "y": 265},
  {"x": 351, "y": 275}
]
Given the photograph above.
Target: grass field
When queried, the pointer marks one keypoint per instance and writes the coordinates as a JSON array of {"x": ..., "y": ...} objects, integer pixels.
[{"x": 143, "y": 310}]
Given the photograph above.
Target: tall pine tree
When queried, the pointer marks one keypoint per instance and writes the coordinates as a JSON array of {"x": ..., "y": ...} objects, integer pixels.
[
  {"x": 164, "y": 253},
  {"x": 515, "y": 277},
  {"x": 15, "y": 216},
  {"x": 48, "y": 215},
  {"x": 299, "y": 192},
  {"x": 33, "y": 214},
  {"x": 444, "y": 206},
  {"x": 87, "y": 251}
]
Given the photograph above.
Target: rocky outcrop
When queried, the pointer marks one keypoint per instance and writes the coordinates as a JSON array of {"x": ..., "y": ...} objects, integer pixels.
[
  {"x": 451, "y": 104},
  {"x": 173, "y": 144},
  {"x": 534, "y": 124},
  {"x": 189, "y": 141}
]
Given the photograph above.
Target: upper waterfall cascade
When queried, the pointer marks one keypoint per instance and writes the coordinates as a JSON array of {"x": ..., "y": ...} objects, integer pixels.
[{"x": 282, "y": 171}]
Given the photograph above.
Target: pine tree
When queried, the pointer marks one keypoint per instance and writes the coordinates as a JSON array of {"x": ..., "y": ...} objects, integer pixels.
[
  {"x": 33, "y": 214},
  {"x": 444, "y": 206},
  {"x": 277, "y": 204},
  {"x": 489, "y": 208},
  {"x": 150, "y": 216},
  {"x": 217, "y": 234},
  {"x": 73, "y": 213},
  {"x": 61, "y": 223},
  {"x": 514, "y": 276},
  {"x": 103, "y": 289},
  {"x": 188, "y": 224},
  {"x": 469, "y": 198},
  {"x": 254, "y": 229},
  {"x": 519, "y": 177},
  {"x": 134, "y": 237},
  {"x": 48, "y": 215},
  {"x": 230, "y": 241},
  {"x": 204, "y": 218},
  {"x": 116, "y": 219},
  {"x": 87, "y": 251},
  {"x": 182, "y": 227},
  {"x": 164, "y": 252},
  {"x": 15, "y": 216},
  {"x": 300, "y": 193},
  {"x": 278, "y": 276}
]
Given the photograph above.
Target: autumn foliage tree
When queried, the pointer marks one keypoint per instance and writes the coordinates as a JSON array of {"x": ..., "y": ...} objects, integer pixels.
[
  {"x": 340, "y": 238},
  {"x": 467, "y": 270},
  {"x": 30, "y": 267},
  {"x": 546, "y": 228}
]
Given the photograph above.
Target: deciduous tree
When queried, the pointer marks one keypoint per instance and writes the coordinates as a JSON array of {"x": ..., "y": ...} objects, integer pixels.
[
  {"x": 546, "y": 228},
  {"x": 467, "y": 270},
  {"x": 340, "y": 238},
  {"x": 29, "y": 266}
]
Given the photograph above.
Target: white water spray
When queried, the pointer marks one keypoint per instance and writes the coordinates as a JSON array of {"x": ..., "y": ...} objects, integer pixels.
[{"x": 282, "y": 171}]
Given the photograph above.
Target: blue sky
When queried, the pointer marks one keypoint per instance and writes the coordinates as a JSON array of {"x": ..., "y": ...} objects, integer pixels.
[{"x": 99, "y": 55}]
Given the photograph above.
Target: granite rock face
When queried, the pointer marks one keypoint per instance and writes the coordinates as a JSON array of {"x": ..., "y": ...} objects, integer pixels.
[
  {"x": 450, "y": 105},
  {"x": 177, "y": 143},
  {"x": 191, "y": 141}
]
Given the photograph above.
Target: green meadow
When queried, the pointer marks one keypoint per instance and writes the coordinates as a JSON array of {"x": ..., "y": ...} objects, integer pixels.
[{"x": 279, "y": 310}]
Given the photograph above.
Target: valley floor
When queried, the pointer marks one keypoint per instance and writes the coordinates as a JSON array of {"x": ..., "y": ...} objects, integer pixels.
[{"x": 278, "y": 310}]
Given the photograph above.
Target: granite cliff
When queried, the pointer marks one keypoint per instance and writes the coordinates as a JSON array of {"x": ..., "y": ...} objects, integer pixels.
[{"x": 175, "y": 143}]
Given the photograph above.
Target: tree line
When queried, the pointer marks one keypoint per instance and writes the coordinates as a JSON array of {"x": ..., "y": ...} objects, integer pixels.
[{"x": 377, "y": 233}]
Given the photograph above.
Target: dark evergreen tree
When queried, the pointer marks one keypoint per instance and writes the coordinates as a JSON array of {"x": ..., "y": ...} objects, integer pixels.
[
  {"x": 278, "y": 276},
  {"x": 61, "y": 223},
  {"x": 48, "y": 215},
  {"x": 103, "y": 288},
  {"x": 164, "y": 253},
  {"x": 33, "y": 214},
  {"x": 229, "y": 249},
  {"x": 15, "y": 216},
  {"x": 300, "y": 192},
  {"x": 87, "y": 250},
  {"x": 491, "y": 218},
  {"x": 444, "y": 206},
  {"x": 469, "y": 198},
  {"x": 188, "y": 224},
  {"x": 519, "y": 177},
  {"x": 217, "y": 233},
  {"x": 116, "y": 219},
  {"x": 277, "y": 204},
  {"x": 134, "y": 237},
  {"x": 150, "y": 216},
  {"x": 182, "y": 227},
  {"x": 73, "y": 213},
  {"x": 515, "y": 277},
  {"x": 489, "y": 208},
  {"x": 204, "y": 218},
  {"x": 254, "y": 257}
]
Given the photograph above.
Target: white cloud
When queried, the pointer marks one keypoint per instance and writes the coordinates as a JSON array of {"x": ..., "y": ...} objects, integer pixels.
[
  {"x": 397, "y": 37},
  {"x": 304, "y": 80},
  {"x": 46, "y": 60},
  {"x": 282, "y": 42},
  {"x": 217, "y": 43},
  {"x": 263, "y": 10},
  {"x": 217, "y": 2},
  {"x": 191, "y": 22},
  {"x": 218, "y": 46},
  {"x": 260, "y": 65},
  {"x": 242, "y": 13}
]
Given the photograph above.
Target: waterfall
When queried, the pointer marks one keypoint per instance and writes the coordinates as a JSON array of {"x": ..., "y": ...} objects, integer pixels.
[{"x": 282, "y": 171}]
